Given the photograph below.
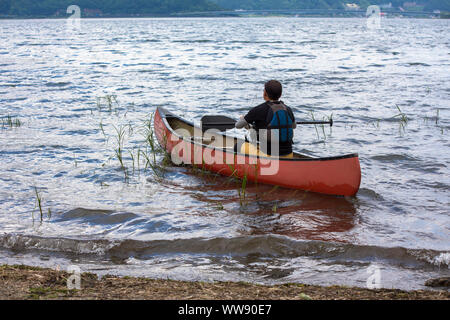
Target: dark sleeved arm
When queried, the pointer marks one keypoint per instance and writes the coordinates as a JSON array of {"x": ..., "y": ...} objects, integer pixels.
[
  {"x": 291, "y": 114},
  {"x": 251, "y": 116}
]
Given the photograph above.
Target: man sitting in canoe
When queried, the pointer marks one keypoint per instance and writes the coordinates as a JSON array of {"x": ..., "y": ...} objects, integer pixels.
[{"x": 270, "y": 119}]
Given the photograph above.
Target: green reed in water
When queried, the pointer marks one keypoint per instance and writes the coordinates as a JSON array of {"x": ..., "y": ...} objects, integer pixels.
[
  {"x": 403, "y": 119},
  {"x": 10, "y": 122},
  {"x": 325, "y": 118},
  {"x": 315, "y": 126},
  {"x": 156, "y": 169},
  {"x": 329, "y": 118},
  {"x": 108, "y": 101},
  {"x": 242, "y": 192},
  {"x": 102, "y": 128},
  {"x": 132, "y": 158},
  {"x": 39, "y": 201},
  {"x": 151, "y": 149},
  {"x": 149, "y": 137},
  {"x": 275, "y": 208},
  {"x": 120, "y": 139}
]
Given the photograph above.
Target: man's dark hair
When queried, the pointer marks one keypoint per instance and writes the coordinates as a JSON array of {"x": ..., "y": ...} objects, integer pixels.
[{"x": 273, "y": 89}]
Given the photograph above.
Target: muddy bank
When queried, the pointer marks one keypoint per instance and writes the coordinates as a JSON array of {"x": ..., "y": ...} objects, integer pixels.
[{"x": 23, "y": 282}]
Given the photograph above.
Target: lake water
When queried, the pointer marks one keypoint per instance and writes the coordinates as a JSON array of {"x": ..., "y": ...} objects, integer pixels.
[{"x": 192, "y": 226}]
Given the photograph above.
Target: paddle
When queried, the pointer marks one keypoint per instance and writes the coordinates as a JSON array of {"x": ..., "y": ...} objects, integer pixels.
[
  {"x": 224, "y": 123},
  {"x": 221, "y": 123}
]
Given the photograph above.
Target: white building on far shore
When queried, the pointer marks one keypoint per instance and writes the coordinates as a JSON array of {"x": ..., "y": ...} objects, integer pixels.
[{"x": 351, "y": 6}]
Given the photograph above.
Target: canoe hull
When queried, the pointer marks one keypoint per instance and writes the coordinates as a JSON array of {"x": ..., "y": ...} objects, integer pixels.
[{"x": 334, "y": 176}]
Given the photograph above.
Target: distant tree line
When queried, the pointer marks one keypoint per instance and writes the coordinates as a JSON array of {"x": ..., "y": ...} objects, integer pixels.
[
  {"x": 110, "y": 7},
  {"x": 143, "y": 7},
  {"x": 429, "y": 5}
]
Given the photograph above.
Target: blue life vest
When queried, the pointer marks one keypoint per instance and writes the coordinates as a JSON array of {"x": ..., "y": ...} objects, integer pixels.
[{"x": 279, "y": 119}]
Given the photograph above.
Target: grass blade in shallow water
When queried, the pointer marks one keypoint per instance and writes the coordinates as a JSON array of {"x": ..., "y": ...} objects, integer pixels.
[{"x": 39, "y": 202}]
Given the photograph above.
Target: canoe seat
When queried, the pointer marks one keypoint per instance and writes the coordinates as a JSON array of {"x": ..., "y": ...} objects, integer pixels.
[{"x": 251, "y": 149}]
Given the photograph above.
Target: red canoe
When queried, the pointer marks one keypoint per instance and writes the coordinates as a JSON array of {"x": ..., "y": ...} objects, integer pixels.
[{"x": 333, "y": 175}]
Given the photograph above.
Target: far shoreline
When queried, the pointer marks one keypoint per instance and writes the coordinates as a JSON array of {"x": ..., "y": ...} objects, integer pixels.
[{"x": 213, "y": 16}]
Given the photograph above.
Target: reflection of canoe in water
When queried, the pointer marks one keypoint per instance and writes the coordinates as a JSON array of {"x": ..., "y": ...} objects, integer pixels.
[{"x": 214, "y": 151}]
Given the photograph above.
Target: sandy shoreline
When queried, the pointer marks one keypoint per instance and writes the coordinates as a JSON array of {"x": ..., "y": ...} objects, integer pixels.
[{"x": 19, "y": 282}]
